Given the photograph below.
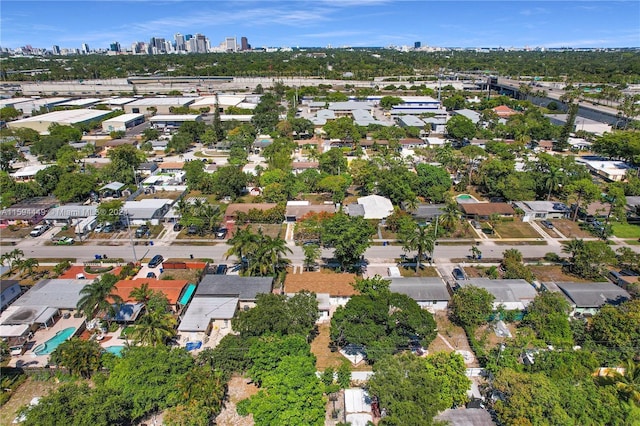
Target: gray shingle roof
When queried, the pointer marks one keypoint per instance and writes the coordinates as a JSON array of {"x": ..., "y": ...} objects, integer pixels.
[
  {"x": 505, "y": 291},
  {"x": 594, "y": 295},
  {"x": 421, "y": 289},
  {"x": 244, "y": 288},
  {"x": 55, "y": 293}
]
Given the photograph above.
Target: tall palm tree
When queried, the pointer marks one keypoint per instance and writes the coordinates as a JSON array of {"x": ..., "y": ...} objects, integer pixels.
[
  {"x": 627, "y": 382},
  {"x": 154, "y": 328},
  {"x": 451, "y": 215},
  {"x": 268, "y": 259},
  {"x": 99, "y": 296},
  {"x": 141, "y": 294},
  {"x": 555, "y": 176},
  {"x": 420, "y": 240},
  {"x": 12, "y": 258},
  {"x": 243, "y": 242}
]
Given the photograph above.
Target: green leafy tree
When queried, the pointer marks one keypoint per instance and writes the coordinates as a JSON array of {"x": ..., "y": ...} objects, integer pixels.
[
  {"x": 9, "y": 113},
  {"x": 584, "y": 191},
  {"x": 229, "y": 356},
  {"x": 336, "y": 185},
  {"x": 229, "y": 181},
  {"x": 402, "y": 383},
  {"x": 460, "y": 127},
  {"x": 150, "y": 377},
  {"x": 8, "y": 154},
  {"x": 548, "y": 316},
  {"x": 311, "y": 255},
  {"x": 333, "y": 162},
  {"x": 150, "y": 134},
  {"x": 432, "y": 182},
  {"x": 388, "y": 102},
  {"x": 372, "y": 286},
  {"x": 74, "y": 187},
  {"x": 155, "y": 328},
  {"x": 350, "y": 236},
  {"x": 274, "y": 313},
  {"x": 109, "y": 211},
  {"x": 78, "y": 356},
  {"x": 471, "y": 306}
]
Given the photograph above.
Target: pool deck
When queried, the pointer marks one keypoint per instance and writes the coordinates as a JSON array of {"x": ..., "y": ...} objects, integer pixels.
[{"x": 29, "y": 358}]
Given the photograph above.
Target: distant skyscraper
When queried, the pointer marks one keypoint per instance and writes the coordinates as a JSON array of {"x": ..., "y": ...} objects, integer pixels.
[
  {"x": 188, "y": 37},
  {"x": 244, "y": 44},
  {"x": 85, "y": 49},
  {"x": 417, "y": 45},
  {"x": 230, "y": 44},
  {"x": 55, "y": 50},
  {"x": 114, "y": 47},
  {"x": 157, "y": 45},
  {"x": 180, "y": 45},
  {"x": 201, "y": 43}
]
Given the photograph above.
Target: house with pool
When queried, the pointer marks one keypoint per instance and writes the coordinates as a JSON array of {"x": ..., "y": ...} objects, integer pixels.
[{"x": 44, "y": 314}]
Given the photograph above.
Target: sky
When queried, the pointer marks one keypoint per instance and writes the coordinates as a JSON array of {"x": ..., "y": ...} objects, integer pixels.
[{"x": 320, "y": 23}]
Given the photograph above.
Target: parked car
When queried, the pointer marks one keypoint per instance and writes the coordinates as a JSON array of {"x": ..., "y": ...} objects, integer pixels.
[
  {"x": 192, "y": 230},
  {"x": 547, "y": 224},
  {"x": 222, "y": 233},
  {"x": 39, "y": 230},
  {"x": 108, "y": 228},
  {"x": 476, "y": 224},
  {"x": 98, "y": 228},
  {"x": 458, "y": 274},
  {"x": 156, "y": 260},
  {"x": 151, "y": 275},
  {"x": 66, "y": 241},
  {"x": 141, "y": 232},
  {"x": 177, "y": 227},
  {"x": 628, "y": 273},
  {"x": 221, "y": 269}
]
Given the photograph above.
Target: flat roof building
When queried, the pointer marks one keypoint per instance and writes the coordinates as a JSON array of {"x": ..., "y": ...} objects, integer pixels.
[
  {"x": 122, "y": 122},
  {"x": 172, "y": 121},
  {"x": 150, "y": 106},
  {"x": 82, "y": 103},
  {"x": 34, "y": 104},
  {"x": 41, "y": 123}
]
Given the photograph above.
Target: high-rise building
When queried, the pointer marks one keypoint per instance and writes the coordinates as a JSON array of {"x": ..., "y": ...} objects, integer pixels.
[
  {"x": 244, "y": 44},
  {"x": 85, "y": 49},
  {"x": 157, "y": 45},
  {"x": 188, "y": 37},
  {"x": 417, "y": 45},
  {"x": 55, "y": 50},
  {"x": 180, "y": 45},
  {"x": 201, "y": 43},
  {"x": 115, "y": 47},
  {"x": 230, "y": 44}
]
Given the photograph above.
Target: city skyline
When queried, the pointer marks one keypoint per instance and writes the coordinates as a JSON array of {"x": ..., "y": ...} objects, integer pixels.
[{"x": 323, "y": 23}]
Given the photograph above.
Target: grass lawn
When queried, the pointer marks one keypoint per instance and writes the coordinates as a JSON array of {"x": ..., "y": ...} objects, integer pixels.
[
  {"x": 272, "y": 229},
  {"x": 553, "y": 273},
  {"x": 324, "y": 357},
  {"x": 521, "y": 243},
  {"x": 515, "y": 229},
  {"x": 386, "y": 234},
  {"x": 25, "y": 393},
  {"x": 625, "y": 230},
  {"x": 425, "y": 271},
  {"x": 15, "y": 231}
]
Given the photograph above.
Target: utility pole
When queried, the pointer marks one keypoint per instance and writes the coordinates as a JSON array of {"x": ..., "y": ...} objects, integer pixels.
[{"x": 133, "y": 247}]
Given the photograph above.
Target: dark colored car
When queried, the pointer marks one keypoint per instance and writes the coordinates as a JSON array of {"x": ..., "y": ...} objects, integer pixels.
[
  {"x": 458, "y": 274},
  {"x": 192, "y": 230},
  {"x": 142, "y": 231},
  {"x": 151, "y": 275},
  {"x": 177, "y": 227},
  {"x": 221, "y": 233},
  {"x": 221, "y": 269},
  {"x": 547, "y": 224},
  {"x": 155, "y": 261}
]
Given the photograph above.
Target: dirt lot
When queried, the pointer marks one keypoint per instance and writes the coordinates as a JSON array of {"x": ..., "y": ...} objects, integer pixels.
[
  {"x": 570, "y": 229},
  {"x": 450, "y": 337},
  {"x": 191, "y": 275},
  {"x": 239, "y": 389},
  {"x": 324, "y": 357},
  {"x": 23, "y": 395},
  {"x": 425, "y": 271},
  {"x": 553, "y": 273}
]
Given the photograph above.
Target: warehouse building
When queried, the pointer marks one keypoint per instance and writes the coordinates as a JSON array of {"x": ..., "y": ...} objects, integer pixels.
[
  {"x": 172, "y": 121},
  {"x": 29, "y": 106},
  {"x": 122, "y": 122},
  {"x": 41, "y": 123},
  {"x": 151, "y": 106}
]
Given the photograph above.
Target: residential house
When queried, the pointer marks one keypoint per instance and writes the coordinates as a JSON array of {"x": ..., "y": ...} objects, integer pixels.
[
  {"x": 30, "y": 211},
  {"x": 428, "y": 212},
  {"x": 511, "y": 294},
  {"x": 69, "y": 213},
  {"x": 611, "y": 170},
  {"x": 374, "y": 206},
  {"x": 9, "y": 291},
  {"x": 472, "y": 115},
  {"x": 28, "y": 173},
  {"x": 485, "y": 210},
  {"x": 332, "y": 290},
  {"x": 542, "y": 210},
  {"x": 298, "y": 167},
  {"x": 172, "y": 289},
  {"x": 150, "y": 210},
  {"x": 147, "y": 169},
  {"x": 298, "y": 209},
  {"x": 429, "y": 292},
  {"x": 588, "y": 298},
  {"x": 504, "y": 111},
  {"x": 245, "y": 289}
]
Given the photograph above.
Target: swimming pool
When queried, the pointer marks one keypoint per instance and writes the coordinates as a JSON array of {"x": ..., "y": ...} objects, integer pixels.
[
  {"x": 50, "y": 345},
  {"x": 116, "y": 350},
  {"x": 465, "y": 197}
]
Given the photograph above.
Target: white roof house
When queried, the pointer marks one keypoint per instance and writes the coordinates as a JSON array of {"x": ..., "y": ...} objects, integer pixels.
[
  {"x": 611, "y": 170},
  {"x": 512, "y": 294},
  {"x": 28, "y": 172},
  {"x": 376, "y": 207},
  {"x": 202, "y": 310},
  {"x": 147, "y": 210}
]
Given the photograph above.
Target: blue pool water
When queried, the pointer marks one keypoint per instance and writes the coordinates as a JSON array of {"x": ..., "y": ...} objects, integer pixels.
[
  {"x": 50, "y": 345},
  {"x": 116, "y": 350}
]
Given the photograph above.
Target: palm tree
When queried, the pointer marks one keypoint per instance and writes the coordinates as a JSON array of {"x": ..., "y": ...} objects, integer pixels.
[
  {"x": 311, "y": 253},
  {"x": 555, "y": 176},
  {"x": 141, "y": 294},
  {"x": 627, "y": 382},
  {"x": 29, "y": 265},
  {"x": 475, "y": 252},
  {"x": 451, "y": 216},
  {"x": 268, "y": 259},
  {"x": 573, "y": 247},
  {"x": 99, "y": 296},
  {"x": 12, "y": 258},
  {"x": 243, "y": 242},
  {"x": 420, "y": 240},
  {"x": 154, "y": 328}
]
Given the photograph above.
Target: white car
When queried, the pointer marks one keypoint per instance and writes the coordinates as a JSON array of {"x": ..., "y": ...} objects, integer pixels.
[{"x": 39, "y": 230}]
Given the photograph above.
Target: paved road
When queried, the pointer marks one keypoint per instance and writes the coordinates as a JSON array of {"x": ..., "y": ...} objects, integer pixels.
[{"x": 375, "y": 254}]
